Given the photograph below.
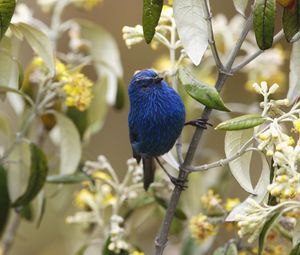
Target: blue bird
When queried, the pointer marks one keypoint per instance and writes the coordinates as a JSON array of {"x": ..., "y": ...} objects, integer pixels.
[{"x": 156, "y": 119}]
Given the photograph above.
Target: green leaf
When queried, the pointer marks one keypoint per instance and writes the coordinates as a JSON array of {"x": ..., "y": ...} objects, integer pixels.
[
  {"x": 179, "y": 214},
  {"x": 38, "y": 41},
  {"x": 264, "y": 232},
  {"x": 240, "y": 6},
  {"x": 192, "y": 27},
  {"x": 264, "y": 22},
  {"x": 291, "y": 21},
  {"x": 242, "y": 122},
  {"x": 79, "y": 118},
  {"x": 7, "y": 8},
  {"x": 294, "y": 76},
  {"x": 37, "y": 178},
  {"x": 68, "y": 179},
  {"x": 151, "y": 14},
  {"x": 205, "y": 94},
  {"x": 240, "y": 167},
  {"x": 69, "y": 142},
  {"x": 295, "y": 250},
  {"x": 4, "y": 200}
]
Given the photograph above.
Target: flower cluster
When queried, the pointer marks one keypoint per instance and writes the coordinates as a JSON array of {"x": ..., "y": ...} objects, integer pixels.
[
  {"x": 76, "y": 87},
  {"x": 117, "y": 242},
  {"x": 103, "y": 195},
  {"x": 252, "y": 221},
  {"x": 201, "y": 228},
  {"x": 279, "y": 145}
]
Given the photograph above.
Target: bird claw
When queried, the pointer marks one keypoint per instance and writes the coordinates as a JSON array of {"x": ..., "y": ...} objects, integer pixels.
[
  {"x": 200, "y": 123},
  {"x": 178, "y": 182}
]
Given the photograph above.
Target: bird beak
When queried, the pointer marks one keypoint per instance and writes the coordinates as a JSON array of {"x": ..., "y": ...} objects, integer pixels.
[{"x": 157, "y": 79}]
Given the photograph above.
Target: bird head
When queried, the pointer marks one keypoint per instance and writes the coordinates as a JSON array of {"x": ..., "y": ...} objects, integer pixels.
[{"x": 144, "y": 80}]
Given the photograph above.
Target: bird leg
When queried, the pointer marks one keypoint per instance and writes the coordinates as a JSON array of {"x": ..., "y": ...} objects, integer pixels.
[
  {"x": 200, "y": 123},
  {"x": 180, "y": 183}
]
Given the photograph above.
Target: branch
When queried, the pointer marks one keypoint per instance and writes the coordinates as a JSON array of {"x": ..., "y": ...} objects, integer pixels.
[
  {"x": 225, "y": 161},
  {"x": 162, "y": 238},
  {"x": 239, "y": 66},
  {"x": 211, "y": 39},
  {"x": 8, "y": 239}
]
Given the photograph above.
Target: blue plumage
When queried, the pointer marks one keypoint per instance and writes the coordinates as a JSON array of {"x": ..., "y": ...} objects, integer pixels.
[{"x": 156, "y": 118}]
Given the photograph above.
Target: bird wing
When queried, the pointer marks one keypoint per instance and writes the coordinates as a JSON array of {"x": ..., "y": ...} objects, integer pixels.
[{"x": 133, "y": 136}]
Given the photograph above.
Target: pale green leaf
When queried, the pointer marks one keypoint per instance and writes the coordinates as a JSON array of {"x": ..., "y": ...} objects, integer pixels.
[
  {"x": 151, "y": 14},
  {"x": 264, "y": 22},
  {"x": 69, "y": 142},
  {"x": 294, "y": 76},
  {"x": 5, "y": 125},
  {"x": 260, "y": 191},
  {"x": 106, "y": 56},
  {"x": 9, "y": 69},
  {"x": 240, "y": 167},
  {"x": 18, "y": 170},
  {"x": 37, "y": 177},
  {"x": 39, "y": 42},
  {"x": 192, "y": 27},
  {"x": 204, "y": 94},
  {"x": 242, "y": 122},
  {"x": 104, "y": 49},
  {"x": 240, "y": 6},
  {"x": 97, "y": 111}
]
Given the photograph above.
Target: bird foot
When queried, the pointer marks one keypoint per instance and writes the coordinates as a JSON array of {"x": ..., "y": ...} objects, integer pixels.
[
  {"x": 178, "y": 182},
  {"x": 200, "y": 123}
]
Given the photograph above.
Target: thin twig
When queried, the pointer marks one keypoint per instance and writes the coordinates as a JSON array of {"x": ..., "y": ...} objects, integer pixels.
[
  {"x": 211, "y": 39},
  {"x": 9, "y": 236},
  {"x": 239, "y": 66}
]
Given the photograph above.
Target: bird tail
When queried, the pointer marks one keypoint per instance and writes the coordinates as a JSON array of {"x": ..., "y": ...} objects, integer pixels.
[{"x": 149, "y": 169}]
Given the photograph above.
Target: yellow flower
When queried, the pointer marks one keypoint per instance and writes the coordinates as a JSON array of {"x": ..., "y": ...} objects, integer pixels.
[
  {"x": 231, "y": 203},
  {"x": 200, "y": 228},
  {"x": 297, "y": 125},
  {"x": 170, "y": 2},
  {"x": 210, "y": 199},
  {"x": 109, "y": 199},
  {"x": 137, "y": 253},
  {"x": 83, "y": 197},
  {"x": 86, "y": 5},
  {"x": 78, "y": 92},
  {"x": 101, "y": 175}
]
